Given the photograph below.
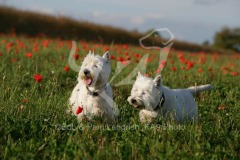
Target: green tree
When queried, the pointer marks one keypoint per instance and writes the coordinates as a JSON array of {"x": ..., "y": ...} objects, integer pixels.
[{"x": 228, "y": 38}]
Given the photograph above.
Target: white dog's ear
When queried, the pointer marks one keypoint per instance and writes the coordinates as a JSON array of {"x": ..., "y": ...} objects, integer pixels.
[
  {"x": 158, "y": 81},
  {"x": 139, "y": 74},
  {"x": 107, "y": 56}
]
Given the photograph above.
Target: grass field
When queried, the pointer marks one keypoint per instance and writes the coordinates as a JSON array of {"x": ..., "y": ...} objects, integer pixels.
[{"x": 33, "y": 123}]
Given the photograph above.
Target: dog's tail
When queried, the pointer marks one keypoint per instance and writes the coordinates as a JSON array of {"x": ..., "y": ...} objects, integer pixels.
[{"x": 196, "y": 89}]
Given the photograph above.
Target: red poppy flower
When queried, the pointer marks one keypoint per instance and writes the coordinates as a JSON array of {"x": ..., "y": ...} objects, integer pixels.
[
  {"x": 35, "y": 49},
  {"x": 37, "y": 77},
  {"x": 76, "y": 56},
  {"x": 190, "y": 65},
  {"x": 24, "y": 100},
  {"x": 120, "y": 59},
  {"x": 79, "y": 110},
  {"x": 46, "y": 43},
  {"x": 180, "y": 56},
  {"x": 112, "y": 57},
  {"x": 125, "y": 46},
  {"x": 9, "y": 45},
  {"x": 106, "y": 49},
  {"x": 29, "y": 55},
  {"x": 200, "y": 70},
  {"x": 66, "y": 68},
  {"x": 174, "y": 69},
  {"x": 235, "y": 73}
]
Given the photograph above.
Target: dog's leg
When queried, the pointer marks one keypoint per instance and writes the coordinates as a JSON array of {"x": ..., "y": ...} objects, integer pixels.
[
  {"x": 73, "y": 100},
  {"x": 147, "y": 116}
]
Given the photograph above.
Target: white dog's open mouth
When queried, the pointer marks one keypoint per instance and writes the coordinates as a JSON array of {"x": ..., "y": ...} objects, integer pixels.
[
  {"x": 136, "y": 106},
  {"x": 88, "y": 80}
]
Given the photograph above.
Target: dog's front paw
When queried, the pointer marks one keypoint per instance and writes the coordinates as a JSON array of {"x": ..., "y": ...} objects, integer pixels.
[
  {"x": 147, "y": 116},
  {"x": 97, "y": 112}
]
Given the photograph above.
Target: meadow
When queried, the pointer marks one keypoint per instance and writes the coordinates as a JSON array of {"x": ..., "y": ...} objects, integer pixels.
[{"x": 36, "y": 82}]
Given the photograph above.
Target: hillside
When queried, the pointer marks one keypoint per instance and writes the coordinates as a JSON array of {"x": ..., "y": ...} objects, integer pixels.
[{"x": 33, "y": 24}]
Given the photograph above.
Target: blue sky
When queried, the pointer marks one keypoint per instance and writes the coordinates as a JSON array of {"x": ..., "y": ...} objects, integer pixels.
[{"x": 189, "y": 20}]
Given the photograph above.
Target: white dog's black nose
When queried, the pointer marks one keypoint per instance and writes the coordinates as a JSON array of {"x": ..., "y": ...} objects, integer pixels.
[
  {"x": 133, "y": 101},
  {"x": 86, "y": 71}
]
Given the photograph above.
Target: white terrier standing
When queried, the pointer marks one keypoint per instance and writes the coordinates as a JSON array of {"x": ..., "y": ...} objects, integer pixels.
[
  {"x": 92, "y": 96},
  {"x": 155, "y": 99}
]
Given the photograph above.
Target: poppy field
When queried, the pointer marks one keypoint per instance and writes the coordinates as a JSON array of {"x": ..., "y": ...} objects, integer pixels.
[{"x": 36, "y": 82}]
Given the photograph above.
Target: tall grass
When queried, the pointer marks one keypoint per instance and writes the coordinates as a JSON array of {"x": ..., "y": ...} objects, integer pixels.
[{"x": 34, "y": 125}]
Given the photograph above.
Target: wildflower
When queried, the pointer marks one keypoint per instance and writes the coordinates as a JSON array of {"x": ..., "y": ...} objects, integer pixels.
[
  {"x": 125, "y": 46},
  {"x": 120, "y": 59},
  {"x": 29, "y": 55},
  {"x": 9, "y": 45},
  {"x": 174, "y": 69},
  {"x": 112, "y": 57},
  {"x": 190, "y": 64},
  {"x": 106, "y": 49},
  {"x": 76, "y": 56},
  {"x": 79, "y": 110},
  {"x": 180, "y": 56},
  {"x": 234, "y": 73},
  {"x": 24, "y": 100},
  {"x": 46, "y": 43},
  {"x": 37, "y": 77},
  {"x": 66, "y": 68}
]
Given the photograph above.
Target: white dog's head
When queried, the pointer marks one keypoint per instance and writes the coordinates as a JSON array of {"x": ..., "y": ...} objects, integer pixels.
[
  {"x": 146, "y": 92},
  {"x": 95, "y": 70}
]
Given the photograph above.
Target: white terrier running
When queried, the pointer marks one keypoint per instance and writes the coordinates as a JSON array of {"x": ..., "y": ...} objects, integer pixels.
[
  {"x": 92, "y": 96},
  {"x": 155, "y": 99}
]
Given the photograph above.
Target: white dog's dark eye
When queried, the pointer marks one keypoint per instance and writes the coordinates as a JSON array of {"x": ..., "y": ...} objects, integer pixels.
[
  {"x": 95, "y": 66},
  {"x": 143, "y": 93}
]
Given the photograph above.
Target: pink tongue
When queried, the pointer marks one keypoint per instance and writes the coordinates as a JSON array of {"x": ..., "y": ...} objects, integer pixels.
[
  {"x": 136, "y": 106},
  {"x": 88, "y": 81}
]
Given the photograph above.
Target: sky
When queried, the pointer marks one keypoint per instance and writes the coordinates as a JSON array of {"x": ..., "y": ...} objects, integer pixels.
[{"x": 189, "y": 20}]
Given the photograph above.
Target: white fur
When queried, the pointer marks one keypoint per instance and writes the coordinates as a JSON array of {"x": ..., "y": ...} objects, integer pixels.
[
  {"x": 179, "y": 104},
  {"x": 101, "y": 105}
]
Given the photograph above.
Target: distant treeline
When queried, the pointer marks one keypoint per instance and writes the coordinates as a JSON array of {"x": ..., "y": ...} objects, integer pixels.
[{"x": 31, "y": 23}]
